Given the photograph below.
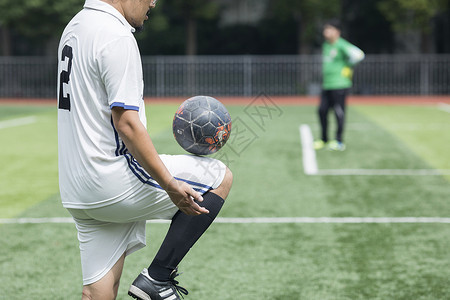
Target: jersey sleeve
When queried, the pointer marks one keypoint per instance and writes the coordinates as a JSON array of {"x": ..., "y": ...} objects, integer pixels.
[
  {"x": 120, "y": 68},
  {"x": 353, "y": 53}
]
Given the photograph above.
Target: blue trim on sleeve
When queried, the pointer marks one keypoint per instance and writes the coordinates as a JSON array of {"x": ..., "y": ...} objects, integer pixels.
[{"x": 121, "y": 104}]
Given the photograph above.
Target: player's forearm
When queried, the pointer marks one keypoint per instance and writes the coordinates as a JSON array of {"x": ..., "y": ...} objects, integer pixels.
[
  {"x": 140, "y": 145},
  {"x": 143, "y": 150}
]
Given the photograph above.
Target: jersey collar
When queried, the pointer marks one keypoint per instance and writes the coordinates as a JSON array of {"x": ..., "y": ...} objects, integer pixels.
[{"x": 107, "y": 8}]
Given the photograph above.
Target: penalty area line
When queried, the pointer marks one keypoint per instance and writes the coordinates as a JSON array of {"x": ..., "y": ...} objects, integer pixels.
[
  {"x": 310, "y": 166},
  {"x": 285, "y": 220},
  {"x": 17, "y": 122},
  {"x": 444, "y": 107},
  {"x": 309, "y": 154},
  {"x": 383, "y": 172}
]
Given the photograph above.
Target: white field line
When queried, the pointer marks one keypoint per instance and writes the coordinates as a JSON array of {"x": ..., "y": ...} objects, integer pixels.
[
  {"x": 309, "y": 154},
  {"x": 444, "y": 107},
  {"x": 17, "y": 122},
  {"x": 355, "y": 126},
  {"x": 310, "y": 163},
  {"x": 287, "y": 220},
  {"x": 383, "y": 172}
]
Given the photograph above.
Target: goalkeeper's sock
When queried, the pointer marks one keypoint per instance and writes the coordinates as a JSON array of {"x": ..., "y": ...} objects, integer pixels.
[{"x": 183, "y": 232}]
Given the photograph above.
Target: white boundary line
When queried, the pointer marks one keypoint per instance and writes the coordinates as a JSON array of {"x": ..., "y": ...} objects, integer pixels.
[
  {"x": 359, "y": 126},
  {"x": 444, "y": 107},
  {"x": 310, "y": 163},
  {"x": 309, "y": 155},
  {"x": 17, "y": 122},
  {"x": 383, "y": 172},
  {"x": 287, "y": 220}
]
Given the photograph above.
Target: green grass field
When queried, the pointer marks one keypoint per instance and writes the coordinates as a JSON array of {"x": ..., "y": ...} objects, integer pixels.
[{"x": 266, "y": 260}]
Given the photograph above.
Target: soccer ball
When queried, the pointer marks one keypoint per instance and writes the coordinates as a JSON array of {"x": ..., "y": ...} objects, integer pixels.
[{"x": 202, "y": 125}]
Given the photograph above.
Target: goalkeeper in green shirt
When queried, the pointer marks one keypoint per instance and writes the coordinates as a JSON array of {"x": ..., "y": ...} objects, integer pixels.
[{"x": 339, "y": 58}]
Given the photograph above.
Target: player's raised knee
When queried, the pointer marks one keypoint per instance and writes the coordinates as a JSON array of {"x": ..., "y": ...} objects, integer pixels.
[
  {"x": 228, "y": 177},
  {"x": 225, "y": 187}
]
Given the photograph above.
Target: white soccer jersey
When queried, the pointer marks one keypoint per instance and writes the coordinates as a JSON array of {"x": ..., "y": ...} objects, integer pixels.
[{"x": 99, "y": 68}]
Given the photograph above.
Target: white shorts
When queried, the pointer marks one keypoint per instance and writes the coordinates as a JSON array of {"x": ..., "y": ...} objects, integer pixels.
[{"x": 106, "y": 233}]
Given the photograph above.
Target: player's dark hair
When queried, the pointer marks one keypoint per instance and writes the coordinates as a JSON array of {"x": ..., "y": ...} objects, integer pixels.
[{"x": 336, "y": 23}]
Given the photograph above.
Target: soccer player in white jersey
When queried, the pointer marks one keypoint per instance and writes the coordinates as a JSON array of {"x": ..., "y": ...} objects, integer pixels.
[{"x": 111, "y": 177}]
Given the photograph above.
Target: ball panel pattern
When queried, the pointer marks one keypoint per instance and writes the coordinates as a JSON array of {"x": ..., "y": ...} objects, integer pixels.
[{"x": 202, "y": 125}]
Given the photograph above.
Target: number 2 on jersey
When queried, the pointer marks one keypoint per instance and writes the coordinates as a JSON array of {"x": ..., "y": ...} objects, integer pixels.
[{"x": 64, "y": 77}]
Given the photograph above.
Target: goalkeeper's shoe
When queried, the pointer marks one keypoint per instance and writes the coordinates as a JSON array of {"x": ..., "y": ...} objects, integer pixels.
[
  {"x": 319, "y": 144},
  {"x": 336, "y": 146},
  {"x": 146, "y": 288}
]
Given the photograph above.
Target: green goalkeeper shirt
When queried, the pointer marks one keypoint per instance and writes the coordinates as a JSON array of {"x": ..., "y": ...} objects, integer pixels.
[{"x": 339, "y": 59}]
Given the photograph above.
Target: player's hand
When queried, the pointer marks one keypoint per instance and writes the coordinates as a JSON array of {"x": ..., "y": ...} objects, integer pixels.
[{"x": 183, "y": 196}]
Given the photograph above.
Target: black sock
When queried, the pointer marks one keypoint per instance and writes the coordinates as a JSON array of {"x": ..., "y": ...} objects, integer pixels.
[{"x": 183, "y": 232}]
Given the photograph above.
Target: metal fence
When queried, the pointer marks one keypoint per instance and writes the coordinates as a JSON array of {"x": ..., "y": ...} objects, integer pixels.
[{"x": 244, "y": 75}]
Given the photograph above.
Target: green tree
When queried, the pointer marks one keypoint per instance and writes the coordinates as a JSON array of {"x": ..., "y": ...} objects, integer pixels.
[
  {"x": 41, "y": 21},
  {"x": 174, "y": 26},
  {"x": 405, "y": 15},
  {"x": 366, "y": 27},
  {"x": 308, "y": 15},
  {"x": 191, "y": 12}
]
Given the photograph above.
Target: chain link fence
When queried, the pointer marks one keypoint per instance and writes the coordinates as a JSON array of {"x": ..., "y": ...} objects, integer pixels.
[{"x": 245, "y": 75}]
